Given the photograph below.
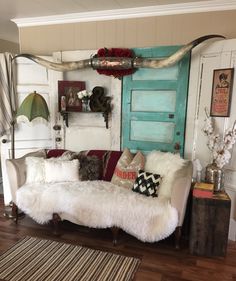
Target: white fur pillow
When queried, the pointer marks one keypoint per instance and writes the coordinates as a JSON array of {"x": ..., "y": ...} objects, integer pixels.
[
  {"x": 58, "y": 171},
  {"x": 166, "y": 164},
  {"x": 34, "y": 169}
]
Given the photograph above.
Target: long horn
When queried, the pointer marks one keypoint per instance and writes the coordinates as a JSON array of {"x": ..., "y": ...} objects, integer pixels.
[
  {"x": 119, "y": 63},
  {"x": 177, "y": 56},
  {"x": 64, "y": 66}
]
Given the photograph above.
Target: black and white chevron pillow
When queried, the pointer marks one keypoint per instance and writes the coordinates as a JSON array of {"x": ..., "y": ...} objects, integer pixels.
[{"x": 147, "y": 183}]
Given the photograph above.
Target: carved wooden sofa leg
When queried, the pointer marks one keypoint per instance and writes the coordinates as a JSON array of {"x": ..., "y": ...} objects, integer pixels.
[
  {"x": 55, "y": 222},
  {"x": 177, "y": 237},
  {"x": 115, "y": 232},
  {"x": 15, "y": 212}
]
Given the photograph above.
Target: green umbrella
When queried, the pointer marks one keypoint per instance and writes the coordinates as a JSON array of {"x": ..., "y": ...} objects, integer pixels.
[{"x": 33, "y": 106}]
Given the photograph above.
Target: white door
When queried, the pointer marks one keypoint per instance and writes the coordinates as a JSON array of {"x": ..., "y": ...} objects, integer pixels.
[
  {"x": 217, "y": 55},
  {"x": 221, "y": 54},
  {"x": 30, "y": 136},
  {"x": 86, "y": 130}
]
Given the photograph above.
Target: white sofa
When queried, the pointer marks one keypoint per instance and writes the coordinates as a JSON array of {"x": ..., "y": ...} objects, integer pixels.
[{"x": 101, "y": 204}]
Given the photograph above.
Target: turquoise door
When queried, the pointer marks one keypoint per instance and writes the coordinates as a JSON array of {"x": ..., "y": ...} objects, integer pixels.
[{"x": 154, "y": 104}]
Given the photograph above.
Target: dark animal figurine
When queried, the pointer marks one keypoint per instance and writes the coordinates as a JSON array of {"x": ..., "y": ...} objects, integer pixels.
[{"x": 100, "y": 103}]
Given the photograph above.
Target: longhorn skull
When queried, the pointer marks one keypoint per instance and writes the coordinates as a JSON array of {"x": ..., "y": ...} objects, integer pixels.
[{"x": 120, "y": 63}]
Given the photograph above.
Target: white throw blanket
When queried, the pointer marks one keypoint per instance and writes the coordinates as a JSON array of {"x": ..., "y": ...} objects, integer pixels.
[{"x": 100, "y": 204}]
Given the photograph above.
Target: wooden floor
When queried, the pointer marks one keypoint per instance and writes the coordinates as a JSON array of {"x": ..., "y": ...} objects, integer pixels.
[{"x": 159, "y": 261}]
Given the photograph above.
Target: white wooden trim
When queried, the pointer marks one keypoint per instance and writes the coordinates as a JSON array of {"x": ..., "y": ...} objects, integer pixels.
[{"x": 149, "y": 11}]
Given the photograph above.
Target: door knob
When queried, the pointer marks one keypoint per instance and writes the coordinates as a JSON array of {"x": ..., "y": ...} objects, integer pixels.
[{"x": 177, "y": 146}]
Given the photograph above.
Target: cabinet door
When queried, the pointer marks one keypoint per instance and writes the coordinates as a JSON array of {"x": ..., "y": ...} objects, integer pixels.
[{"x": 154, "y": 104}]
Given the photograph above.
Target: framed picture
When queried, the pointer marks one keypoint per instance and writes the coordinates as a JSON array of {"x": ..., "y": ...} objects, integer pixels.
[
  {"x": 221, "y": 92},
  {"x": 67, "y": 95}
]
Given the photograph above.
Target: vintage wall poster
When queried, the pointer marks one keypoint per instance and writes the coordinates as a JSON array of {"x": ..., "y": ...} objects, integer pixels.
[{"x": 221, "y": 92}]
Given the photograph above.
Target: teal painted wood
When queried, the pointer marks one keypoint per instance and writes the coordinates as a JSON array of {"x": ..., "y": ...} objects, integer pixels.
[
  {"x": 152, "y": 101},
  {"x": 154, "y": 104},
  {"x": 151, "y": 131},
  {"x": 160, "y": 74}
]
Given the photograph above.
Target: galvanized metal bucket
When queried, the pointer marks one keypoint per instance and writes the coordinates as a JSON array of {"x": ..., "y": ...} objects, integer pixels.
[{"x": 215, "y": 175}]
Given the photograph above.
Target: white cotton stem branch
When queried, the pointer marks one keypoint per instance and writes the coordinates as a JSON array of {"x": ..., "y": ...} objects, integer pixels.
[
  {"x": 234, "y": 126},
  {"x": 207, "y": 113}
]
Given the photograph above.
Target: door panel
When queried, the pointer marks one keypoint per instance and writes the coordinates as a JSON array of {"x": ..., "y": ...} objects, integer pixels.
[
  {"x": 154, "y": 104},
  {"x": 153, "y": 101},
  {"x": 151, "y": 131}
]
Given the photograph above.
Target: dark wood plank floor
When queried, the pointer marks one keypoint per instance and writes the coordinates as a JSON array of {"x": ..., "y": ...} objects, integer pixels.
[{"x": 159, "y": 261}]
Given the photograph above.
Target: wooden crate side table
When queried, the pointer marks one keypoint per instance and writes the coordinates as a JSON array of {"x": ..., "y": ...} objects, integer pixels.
[{"x": 210, "y": 225}]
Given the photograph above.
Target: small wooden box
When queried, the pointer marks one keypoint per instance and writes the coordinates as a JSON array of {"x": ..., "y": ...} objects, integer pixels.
[
  {"x": 203, "y": 190},
  {"x": 210, "y": 225}
]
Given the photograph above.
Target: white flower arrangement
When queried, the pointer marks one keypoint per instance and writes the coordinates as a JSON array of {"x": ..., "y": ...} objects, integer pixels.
[
  {"x": 219, "y": 145},
  {"x": 84, "y": 94}
]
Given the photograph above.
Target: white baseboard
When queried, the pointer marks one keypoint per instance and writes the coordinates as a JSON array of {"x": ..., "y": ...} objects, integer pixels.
[{"x": 232, "y": 230}]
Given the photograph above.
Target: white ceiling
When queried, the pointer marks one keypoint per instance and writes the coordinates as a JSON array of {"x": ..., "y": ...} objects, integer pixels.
[{"x": 18, "y": 9}]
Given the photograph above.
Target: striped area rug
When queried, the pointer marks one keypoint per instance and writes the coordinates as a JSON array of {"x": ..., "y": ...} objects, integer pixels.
[{"x": 44, "y": 260}]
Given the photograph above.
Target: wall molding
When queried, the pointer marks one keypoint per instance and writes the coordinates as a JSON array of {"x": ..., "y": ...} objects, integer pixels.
[{"x": 160, "y": 10}]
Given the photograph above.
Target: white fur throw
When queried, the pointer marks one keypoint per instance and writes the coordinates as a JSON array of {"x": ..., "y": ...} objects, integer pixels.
[
  {"x": 165, "y": 164},
  {"x": 100, "y": 204}
]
